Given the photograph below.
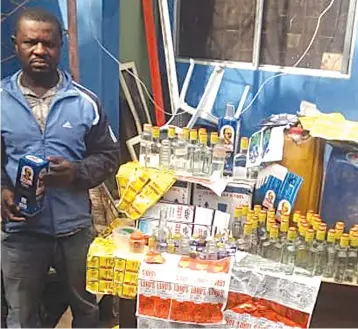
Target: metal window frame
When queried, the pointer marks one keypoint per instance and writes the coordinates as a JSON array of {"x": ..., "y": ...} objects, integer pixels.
[{"x": 348, "y": 49}]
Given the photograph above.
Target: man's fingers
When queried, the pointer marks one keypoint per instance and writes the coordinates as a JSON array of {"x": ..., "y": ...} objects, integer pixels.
[{"x": 55, "y": 160}]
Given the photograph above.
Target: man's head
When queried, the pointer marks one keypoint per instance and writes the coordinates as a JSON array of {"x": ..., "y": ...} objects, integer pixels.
[{"x": 38, "y": 41}]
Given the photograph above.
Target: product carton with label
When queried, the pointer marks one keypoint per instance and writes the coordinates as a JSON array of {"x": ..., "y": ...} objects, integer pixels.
[{"x": 29, "y": 186}]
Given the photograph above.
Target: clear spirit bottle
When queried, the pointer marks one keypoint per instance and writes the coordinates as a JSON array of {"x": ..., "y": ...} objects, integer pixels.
[
  {"x": 303, "y": 250},
  {"x": 218, "y": 159},
  {"x": 145, "y": 145},
  {"x": 173, "y": 145},
  {"x": 289, "y": 252},
  {"x": 165, "y": 155},
  {"x": 262, "y": 231},
  {"x": 341, "y": 258},
  {"x": 331, "y": 250},
  {"x": 161, "y": 233},
  {"x": 236, "y": 226},
  {"x": 192, "y": 148},
  {"x": 244, "y": 243},
  {"x": 284, "y": 228},
  {"x": 211, "y": 249},
  {"x": 181, "y": 154},
  {"x": 272, "y": 249},
  {"x": 350, "y": 274},
  {"x": 339, "y": 227},
  {"x": 201, "y": 160},
  {"x": 254, "y": 235},
  {"x": 155, "y": 148},
  {"x": 318, "y": 251}
]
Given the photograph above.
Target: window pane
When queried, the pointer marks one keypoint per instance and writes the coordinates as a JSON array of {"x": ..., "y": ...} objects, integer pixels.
[
  {"x": 216, "y": 29},
  {"x": 288, "y": 27}
]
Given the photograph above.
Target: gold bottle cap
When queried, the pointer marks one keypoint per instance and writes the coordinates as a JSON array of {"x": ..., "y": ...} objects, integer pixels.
[
  {"x": 181, "y": 136},
  {"x": 203, "y": 137},
  {"x": 262, "y": 216},
  {"x": 255, "y": 223},
  {"x": 202, "y": 130},
  {"x": 309, "y": 216},
  {"x": 344, "y": 240},
  {"x": 292, "y": 234},
  {"x": 274, "y": 231},
  {"x": 316, "y": 222},
  {"x": 270, "y": 222},
  {"x": 284, "y": 225},
  {"x": 321, "y": 233},
  {"x": 244, "y": 143},
  {"x": 352, "y": 231},
  {"x": 156, "y": 132},
  {"x": 193, "y": 134},
  {"x": 296, "y": 216},
  {"x": 257, "y": 209},
  {"x": 186, "y": 133},
  {"x": 309, "y": 235},
  {"x": 250, "y": 215},
  {"x": 340, "y": 225},
  {"x": 171, "y": 131},
  {"x": 339, "y": 232},
  {"x": 271, "y": 211},
  {"x": 214, "y": 138},
  {"x": 354, "y": 240},
  {"x": 303, "y": 228},
  {"x": 247, "y": 229},
  {"x": 237, "y": 212},
  {"x": 331, "y": 236},
  {"x": 245, "y": 209}
]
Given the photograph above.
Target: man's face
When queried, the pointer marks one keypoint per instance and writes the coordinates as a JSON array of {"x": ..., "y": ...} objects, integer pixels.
[{"x": 38, "y": 46}]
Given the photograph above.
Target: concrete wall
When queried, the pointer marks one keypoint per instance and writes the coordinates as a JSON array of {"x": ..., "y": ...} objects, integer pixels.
[{"x": 98, "y": 72}]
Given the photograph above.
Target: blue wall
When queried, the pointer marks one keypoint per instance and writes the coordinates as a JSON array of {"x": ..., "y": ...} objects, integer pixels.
[
  {"x": 98, "y": 72},
  {"x": 280, "y": 95}
]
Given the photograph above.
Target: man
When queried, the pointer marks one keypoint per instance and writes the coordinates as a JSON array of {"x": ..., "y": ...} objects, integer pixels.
[{"x": 46, "y": 114}]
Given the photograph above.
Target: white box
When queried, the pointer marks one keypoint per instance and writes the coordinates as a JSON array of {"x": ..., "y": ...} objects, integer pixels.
[
  {"x": 235, "y": 194},
  {"x": 180, "y": 192},
  {"x": 175, "y": 212}
]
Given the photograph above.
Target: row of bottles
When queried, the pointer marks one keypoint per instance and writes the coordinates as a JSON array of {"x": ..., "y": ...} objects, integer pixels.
[
  {"x": 303, "y": 249},
  {"x": 189, "y": 152}
]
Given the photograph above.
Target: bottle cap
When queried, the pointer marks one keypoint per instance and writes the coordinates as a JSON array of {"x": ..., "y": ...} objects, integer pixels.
[
  {"x": 250, "y": 215},
  {"x": 237, "y": 212},
  {"x": 331, "y": 236},
  {"x": 257, "y": 209},
  {"x": 321, "y": 233},
  {"x": 147, "y": 127},
  {"x": 171, "y": 131},
  {"x": 245, "y": 209},
  {"x": 270, "y": 222},
  {"x": 193, "y": 134},
  {"x": 255, "y": 223},
  {"x": 244, "y": 143},
  {"x": 285, "y": 217},
  {"x": 284, "y": 225},
  {"x": 271, "y": 211},
  {"x": 352, "y": 231},
  {"x": 309, "y": 216},
  {"x": 340, "y": 225},
  {"x": 203, "y": 137},
  {"x": 214, "y": 138},
  {"x": 185, "y": 130},
  {"x": 354, "y": 240},
  {"x": 344, "y": 240},
  {"x": 247, "y": 229},
  {"x": 202, "y": 130},
  {"x": 309, "y": 235},
  {"x": 274, "y": 231},
  {"x": 262, "y": 216},
  {"x": 137, "y": 236},
  {"x": 155, "y": 132},
  {"x": 303, "y": 228},
  {"x": 296, "y": 216},
  {"x": 292, "y": 234},
  {"x": 316, "y": 222}
]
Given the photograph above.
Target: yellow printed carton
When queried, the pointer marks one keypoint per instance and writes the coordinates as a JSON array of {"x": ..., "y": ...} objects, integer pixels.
[
  {"x": 118, "y": 276},
  {"x": 92, "y": 274},
  {"x": 131, "y": 278},
  {"x": 105, "y": 287},
  {"x": 92, "y": 286},
  {"x": 119, "y": 264},
  {"x": 129, "y": 291},
  {"x": 132, "y": 265},
  {"x": 118, "y": 288},
  {"x": 106, "y": 274}
]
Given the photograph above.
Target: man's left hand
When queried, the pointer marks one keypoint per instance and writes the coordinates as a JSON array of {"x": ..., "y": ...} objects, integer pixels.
[{"x": 61, "y": 172}]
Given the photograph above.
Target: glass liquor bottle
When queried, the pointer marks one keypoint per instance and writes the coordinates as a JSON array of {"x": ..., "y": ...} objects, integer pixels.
[
  {"x": 289, "y": 252},
  {"x": 257, "y": 209},
  {"x": 245, "y": 211},
  {"x": 193, "y": 148},
  {"x": 236, "y": 225},
  {"x": 173, "y": 145},
  {"x": 296, "y": 218},
  {"x": 218, "y": 159},
  {"x": 309, "y": 216},
  {"x": 155, "y": 148},
  {"x": 181, "y": 154},
  {"x": 162, "y": 233},
  {"x": 204, "y": 169},
  {"x": 145, "y": 145},
  {"x": 165, "y": 155},
  {"x": 254, "y": 234},
  {"x": 331, "y": 250},
  {"x": 244, "y": 243},
  {"x": 272, "y": 249},
  {"x": 341, "y": 258},
  {"x": 262, "y": 231},
  {"x": 350, "y": 274},
  {"x": 303, "y": 250},
  {"x": 339, "y": 227},
  {"x": 240, "y": 170},
  {"x": 284, "y": 228},
  {"x": 318, "y": 251},
  {"x": 211, "y": 249}
]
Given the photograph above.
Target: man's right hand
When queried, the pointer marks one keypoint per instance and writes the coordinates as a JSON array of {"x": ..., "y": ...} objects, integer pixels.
[{"x": 9, "y": 210}]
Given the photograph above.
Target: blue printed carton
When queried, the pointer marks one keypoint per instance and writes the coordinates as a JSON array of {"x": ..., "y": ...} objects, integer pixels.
[{"x": 29, "y": 187}]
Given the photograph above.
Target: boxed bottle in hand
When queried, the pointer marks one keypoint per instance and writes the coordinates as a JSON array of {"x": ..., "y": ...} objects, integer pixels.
[{"x": 29, "y": 187}]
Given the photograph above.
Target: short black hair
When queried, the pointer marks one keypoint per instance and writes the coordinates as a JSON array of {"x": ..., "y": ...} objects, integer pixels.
[{"x": 39, "y": 15}]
